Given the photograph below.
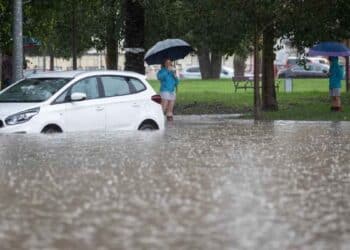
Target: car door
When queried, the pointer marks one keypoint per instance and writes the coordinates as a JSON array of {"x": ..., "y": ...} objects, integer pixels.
[
  {"x": 123, "y": 109},
  {"x": 88, "y": 114}
]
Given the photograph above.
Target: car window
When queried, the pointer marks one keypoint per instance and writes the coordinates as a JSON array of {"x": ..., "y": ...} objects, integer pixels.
[
  {"x": 115, "y": 86},
  {"x": 88, "y": 86},
  {"x": 193, "y": 70},
  {"x": 137, "y": 85},
  {"x": 291, "y": 61},
  {"x": 61, "y": 98},
  {"x": 33, "y": 89},
  {"x": 297, "y": 68}
]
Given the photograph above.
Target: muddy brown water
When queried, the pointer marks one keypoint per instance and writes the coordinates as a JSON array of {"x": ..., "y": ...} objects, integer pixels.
[{"x": 207, "y": 182}]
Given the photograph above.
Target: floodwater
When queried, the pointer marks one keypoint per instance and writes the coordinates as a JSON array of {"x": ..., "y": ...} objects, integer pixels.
[{"x": 205, "y": 183}]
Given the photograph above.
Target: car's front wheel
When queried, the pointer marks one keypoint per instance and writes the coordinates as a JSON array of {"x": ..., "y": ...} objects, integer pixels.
[{"x": 51, "y": 129}]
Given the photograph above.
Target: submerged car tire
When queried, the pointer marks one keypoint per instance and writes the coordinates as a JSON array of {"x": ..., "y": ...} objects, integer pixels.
[
  {"x": 148, "y": 126},
  {"x": 51, "y": 129}
]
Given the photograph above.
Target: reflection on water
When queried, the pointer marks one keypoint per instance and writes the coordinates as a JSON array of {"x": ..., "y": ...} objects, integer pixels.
[{"x": 205, "y": 183}]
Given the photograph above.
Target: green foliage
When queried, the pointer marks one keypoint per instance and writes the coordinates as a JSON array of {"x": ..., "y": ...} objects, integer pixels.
[
  {"x": 51, "y": 22},
  {"x": 5, "y": 27},
  {"x": 107, "y": 21}
]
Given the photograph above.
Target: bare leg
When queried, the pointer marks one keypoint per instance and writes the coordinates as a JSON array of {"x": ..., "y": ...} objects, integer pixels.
[
  {"x": 165, "y": 104},
  {"x": 170, "y": 111},
  {"x": 334, "y": 101},
  {"x": 338, "y": 102}
]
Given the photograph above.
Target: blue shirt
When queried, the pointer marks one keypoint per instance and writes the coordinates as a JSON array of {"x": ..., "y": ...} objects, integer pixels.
[
  {"x": 336, "y": 74},
  {"x": 168, "y": 81}
]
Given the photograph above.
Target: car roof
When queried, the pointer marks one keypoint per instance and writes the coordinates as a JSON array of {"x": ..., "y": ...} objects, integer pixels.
[{"x": 81, "y": 74}]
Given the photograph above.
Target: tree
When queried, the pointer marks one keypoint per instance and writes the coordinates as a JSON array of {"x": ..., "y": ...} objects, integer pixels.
[
  {"x": 109, "y": 31},
  {"x": 5, "y": 31},
  {"x": 134, "y": 36},
  {"x": 205, "y": 24},
  {"x": 63, "y": 27}
]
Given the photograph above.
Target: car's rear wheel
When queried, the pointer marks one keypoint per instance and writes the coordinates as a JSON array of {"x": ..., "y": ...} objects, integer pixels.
[{"x": 148, "y": 126}]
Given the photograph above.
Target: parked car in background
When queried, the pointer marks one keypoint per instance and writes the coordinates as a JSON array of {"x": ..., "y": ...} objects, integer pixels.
[
  {"x": 310, "y": 70},
  {"x": 53, "y": 102},
  {"x": 29, "y": 72},
  {"x": 292, "y": 60},
  {"x": 320, "y": 60},
  {"x": 193, "y": 72}
]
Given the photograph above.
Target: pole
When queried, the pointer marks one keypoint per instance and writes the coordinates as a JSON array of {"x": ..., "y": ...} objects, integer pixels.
[
  {"x": 347, "y": 74},
  {"x": 17, "y": 52}
]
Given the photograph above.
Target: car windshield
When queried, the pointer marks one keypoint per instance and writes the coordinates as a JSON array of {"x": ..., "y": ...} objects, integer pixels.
[{"x": 33, "y": 90}]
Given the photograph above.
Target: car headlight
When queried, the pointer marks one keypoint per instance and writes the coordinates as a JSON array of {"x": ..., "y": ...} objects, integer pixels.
[{"x": 22, "y": 116}]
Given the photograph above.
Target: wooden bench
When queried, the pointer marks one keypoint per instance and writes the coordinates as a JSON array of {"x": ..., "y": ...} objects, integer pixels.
[{"x": 244, "y": 82}]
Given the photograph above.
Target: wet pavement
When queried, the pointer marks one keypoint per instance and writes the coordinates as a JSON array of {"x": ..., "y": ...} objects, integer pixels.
[{"x": 205, "y": 183}]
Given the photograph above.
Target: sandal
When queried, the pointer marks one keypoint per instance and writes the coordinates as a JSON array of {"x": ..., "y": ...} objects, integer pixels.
[{"x": 170, "y": 118}]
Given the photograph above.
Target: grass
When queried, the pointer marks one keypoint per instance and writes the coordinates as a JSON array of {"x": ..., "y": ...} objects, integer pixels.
[{"x": 308, "y": 101}]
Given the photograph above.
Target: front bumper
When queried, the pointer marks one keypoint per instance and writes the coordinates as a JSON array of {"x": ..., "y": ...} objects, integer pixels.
[{"x": 13, "y": 129}]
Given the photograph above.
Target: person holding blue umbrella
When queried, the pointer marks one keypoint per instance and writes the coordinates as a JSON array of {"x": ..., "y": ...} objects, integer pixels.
[
  {"x": 336, "y": 74},
  {"x": 168, "y": 86}
]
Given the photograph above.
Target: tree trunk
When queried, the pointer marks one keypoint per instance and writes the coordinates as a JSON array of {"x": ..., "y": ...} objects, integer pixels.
[
  {"x": 112, "y": 54},
  {"x": 1, "y": 83},
  {"x": 257, "y": 99},
  {"x": 74, "y": 36},
  {"x": 17, "y": 52},
  {"x": 44, "y": 61},
  {"x": 269, "y": 100},
  {"x": 111, "y": 41},
  {"x": 117, "y": 57},
  {"x": 52, "y": 62},
  {"x": 216, "y": 63},
  {"x": 134, "y": 36},
  {"x": 204, "y": 63},
  {"x": 239, "y": 65},
  {"x": 210, "y": 65}
]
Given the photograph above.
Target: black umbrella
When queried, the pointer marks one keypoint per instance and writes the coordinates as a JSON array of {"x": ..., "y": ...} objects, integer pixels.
[{"x": 172, "y": 49}]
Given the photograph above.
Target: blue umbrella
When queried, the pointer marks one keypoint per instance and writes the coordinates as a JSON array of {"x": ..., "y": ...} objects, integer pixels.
[
  {"x": 173, "y": 49},
  {"x": 329, "y": 49}
]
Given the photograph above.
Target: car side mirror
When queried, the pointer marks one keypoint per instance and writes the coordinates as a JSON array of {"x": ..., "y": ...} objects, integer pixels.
[{"x": 77, "y": 96}]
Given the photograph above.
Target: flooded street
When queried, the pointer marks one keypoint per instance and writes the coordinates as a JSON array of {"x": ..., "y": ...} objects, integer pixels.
[{"x": 204, "y": 183}]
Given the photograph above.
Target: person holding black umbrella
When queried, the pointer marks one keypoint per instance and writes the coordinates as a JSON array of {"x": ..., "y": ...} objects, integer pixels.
[
  {"x": 164, "y": 52},
  {"x": 168, "y": 85}
]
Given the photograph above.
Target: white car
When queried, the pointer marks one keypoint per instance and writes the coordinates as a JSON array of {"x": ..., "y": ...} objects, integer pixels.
[
  {"x": 193, "y": 72},
  {"x": 69, "y": 101}
]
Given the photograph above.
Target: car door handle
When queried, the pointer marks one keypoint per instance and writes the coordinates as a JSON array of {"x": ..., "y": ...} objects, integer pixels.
[
  {"x": 100, "y": 108},
  {"x": 135, "y": 105}
]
